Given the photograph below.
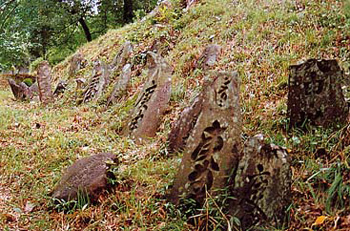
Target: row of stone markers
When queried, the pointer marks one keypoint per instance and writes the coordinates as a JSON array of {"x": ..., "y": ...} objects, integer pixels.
[{"x": 208, "y": 133}]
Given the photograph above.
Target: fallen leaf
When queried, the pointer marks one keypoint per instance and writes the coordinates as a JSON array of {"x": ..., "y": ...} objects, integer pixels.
[{"x": 319, "y": 220}]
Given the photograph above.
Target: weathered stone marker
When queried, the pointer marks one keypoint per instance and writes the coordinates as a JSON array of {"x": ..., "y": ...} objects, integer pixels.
[
  {"x": 182, "y": 129},
  {"x": 121, "y": 84},
  {"x": 315, "y": 93},
  {"x": 98, "y": 82},
  {"x": 213, "y": 147},
  {"x": 75, "y": 64},
  {"x": 262, "y": 184},
  {"x": 209, "y": 56},
  {"x": 20, "y": 91},
  {"x": 60, "y": 88},
  {"x": 152, "y": 102},
  {"x": 44, "y": 82},
  {"x": 87, "y": 175},
  {"x": 121, "y": 57}
]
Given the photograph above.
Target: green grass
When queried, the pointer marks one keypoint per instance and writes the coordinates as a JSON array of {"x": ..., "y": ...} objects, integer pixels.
[{"x": 260, "y": 39}]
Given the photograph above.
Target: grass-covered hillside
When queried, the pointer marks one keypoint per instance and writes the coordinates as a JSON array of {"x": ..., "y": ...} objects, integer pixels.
[{"x": 259, "y": 39}]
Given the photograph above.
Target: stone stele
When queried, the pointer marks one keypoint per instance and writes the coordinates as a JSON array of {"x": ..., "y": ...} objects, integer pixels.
[
  {"x": 121, "y": 84},
  {"x": 209, "y": 56},
  {"x": 153, "y": 100},
  {"x": 214, "y": 144},
  {"x": 315, "y": 93},
  {"x": 98, "y": 82},
  {"x": 262, "y": 185},
  {"x": 44, "y": 82},
  {"x": 88, "y": 175},
  {"x": 121, "y": 57}
]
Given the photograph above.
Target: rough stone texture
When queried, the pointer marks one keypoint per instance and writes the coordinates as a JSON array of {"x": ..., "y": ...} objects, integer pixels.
[
  {"x": 121, "y": 84},
  {"x": 262, "y": 184},
  {"x": 88, "y": 175},
  {"x": 20, "y": 91},
  {"x": 214, "y": 144},
  {"x": 153, "y": 100},
  {"x": 121, "y": 57},
  {"x": 315, "y": 93},
  {"x": 209, "y": 56},
  {"x": 44, "y": 82},
  {"x": 75, "y": 64},
  {"x": 182, "y": 129},
  {"x": 60, "y": 88},
  {"x": 97, "y": 83}
]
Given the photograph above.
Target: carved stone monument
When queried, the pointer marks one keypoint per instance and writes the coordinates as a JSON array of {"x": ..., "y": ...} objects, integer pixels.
[
  {"x": 98, "y": 82},
  {"x": 262, "y": 184},
  {"x": 121, "y": 57},
  {"x": 214, "y": 144},
  {"x": 76, "y": 63},
  {"x": 121, "y": 84},
  {"x": 44, "y": 82},
  {"x": 87, "y": 175},
  {"x": 152, "y": 102},
  {"x": 209, "y": 56},
  {"x": 315, "y": 93},
  {"x": 182, "y": 129}
]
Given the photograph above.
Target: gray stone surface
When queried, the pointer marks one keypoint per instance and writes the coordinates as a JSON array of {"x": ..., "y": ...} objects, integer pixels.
[
  {"x": 44, "y": 83},
  {"x": 153, "y": 100},
  {"x": 97, "y": 83},
  {"x": 214, "y": 144},
  {"x": 60, "y": 88},
  {"x": 315, "y": 93},
  {"x": 20, "y": 91},
  {"x": 88, "y": 175},
  {"x": 182, "y": 129},
  {"x": 262, "y": 185},
  {"x": 121, "y": 84},
  {"x": 121, "y": 57},
  {"x": 209, "y": 56},
  {"x": 76, "y": 63}
]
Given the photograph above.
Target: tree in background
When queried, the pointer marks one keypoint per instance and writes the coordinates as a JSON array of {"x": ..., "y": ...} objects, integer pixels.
[{"x": 53, "y": 29}]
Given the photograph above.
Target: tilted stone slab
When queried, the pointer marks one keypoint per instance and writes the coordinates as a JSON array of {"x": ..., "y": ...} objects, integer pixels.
[
  {"x": 183, "y": 127},
  {"x": 20, "y": 91},
  {"x": 209, "y": 56},
  {"x": 88, "y": 175},
  {"x": 60, "y": 88},
  {"x": 262, "y": 185},
  {"x": 121, "y": 57},
  {"x": 213, "y": 147},
  {"x": 120, "y": 87},
  {"x": 44, "y": 82},
  {"x": 153, "y": 100},
  {"x": 98, "y": 82},
  {"x": 315, "y": 93}
]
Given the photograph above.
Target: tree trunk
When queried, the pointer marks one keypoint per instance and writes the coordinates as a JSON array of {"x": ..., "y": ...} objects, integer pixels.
[
  {"x": 128, "y": 13},
  {"x": 86, "y": 29}
]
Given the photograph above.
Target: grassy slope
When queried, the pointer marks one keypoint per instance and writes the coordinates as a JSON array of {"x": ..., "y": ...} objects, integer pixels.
[{"x": 260, "y": 40}]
